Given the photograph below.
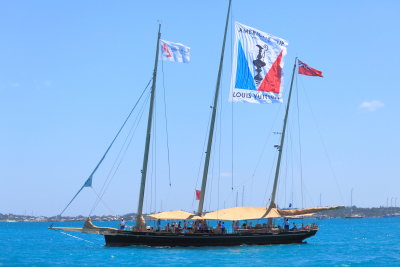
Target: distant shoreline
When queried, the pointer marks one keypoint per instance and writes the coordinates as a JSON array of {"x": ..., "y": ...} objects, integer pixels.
[{"x": 346, "y": 212}]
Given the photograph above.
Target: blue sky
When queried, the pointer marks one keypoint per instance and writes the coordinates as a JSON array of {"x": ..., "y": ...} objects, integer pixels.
[{"x": 72, "y": 70}]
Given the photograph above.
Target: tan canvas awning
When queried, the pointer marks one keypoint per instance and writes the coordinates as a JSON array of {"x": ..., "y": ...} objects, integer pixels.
[
  {"x": 235, "y": 214},
  {"x": 242, "y": 213},
  {"x": 238, "y": 213},
  {"x": 174, "y": 215}
]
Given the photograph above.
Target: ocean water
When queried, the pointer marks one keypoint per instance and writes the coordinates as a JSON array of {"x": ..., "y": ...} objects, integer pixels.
[{"x": 339, "y": 242}]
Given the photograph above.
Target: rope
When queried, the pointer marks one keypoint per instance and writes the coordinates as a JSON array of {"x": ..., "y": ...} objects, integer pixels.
[
  {"x": 166, "y": 124},
  {"x": 219, "y": 135},
  {"x": 215, "y": 156},
  {"x": 211, "y": 174},
  {"x": 232, "y": 159},
  {"x": 292, "y": 169},
  {"x": 155, "y": 159},
  {"x": 202, "y": 155},
  {"x": 262, "y": 152},
  {"x": 232, "y": 141},
  {"x": 102, "y": 201},
  {"x": 219, "y": 149},
  {"x": 121, "y": 154},
  {"x": 286, "y": 171},
  {"x": 269, "y": 177},
  {"x": 323, "y": 144},
  {"x": 77, "y": 237},
  {"x": 88, "y": 182},
  {"x": 153, "y": 172},
  {"x": 300, "y": 154}
]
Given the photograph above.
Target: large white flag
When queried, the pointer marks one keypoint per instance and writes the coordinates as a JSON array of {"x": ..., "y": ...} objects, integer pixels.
[
  {"x": 257, "y": 66},
  {"x": 175, "y": 52}
]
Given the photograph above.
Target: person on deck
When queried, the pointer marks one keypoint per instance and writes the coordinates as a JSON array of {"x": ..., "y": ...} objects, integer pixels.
[
  {"x": 294, "y": 227},
  {"x": 158, "y": 225},
  {"x": 286, "y": 224},
  {"x": 223, "y": 229},
  {"x": 206, "y": 229},
  {"x": 122, "y": 224}
]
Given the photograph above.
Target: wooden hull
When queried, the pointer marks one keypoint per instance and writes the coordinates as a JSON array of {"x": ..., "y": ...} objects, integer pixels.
[{"x": 127, "y": 238}]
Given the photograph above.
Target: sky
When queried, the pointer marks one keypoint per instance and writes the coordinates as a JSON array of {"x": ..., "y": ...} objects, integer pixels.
[{"x": 72, "y": 70}]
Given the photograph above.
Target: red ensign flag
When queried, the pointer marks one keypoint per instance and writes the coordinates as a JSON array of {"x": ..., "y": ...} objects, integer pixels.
[
  {"x": 307, "y": 70},
  {"x": 198, "y": 194}
]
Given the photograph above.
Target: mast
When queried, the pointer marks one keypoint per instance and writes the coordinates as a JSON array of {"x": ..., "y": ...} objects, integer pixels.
[
  {"x": 243, "y": 196},
  {"x": 320, "y": 201},
  {"x": 214, "y": 113},
  {"x": 280, "y": 148},
  {"x": 140, "y": 222},
  {"x": 351, "y": 203}
]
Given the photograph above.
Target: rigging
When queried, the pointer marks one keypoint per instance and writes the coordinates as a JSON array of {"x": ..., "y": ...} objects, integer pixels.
[{"x": 88, "y": 182}]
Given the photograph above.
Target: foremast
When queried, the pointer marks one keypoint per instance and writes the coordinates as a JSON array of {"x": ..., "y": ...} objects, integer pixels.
[
  {"x": 272, "y": 203},
  {"x": 212, "y": 124},
  {"x": 140, "y": 222}
]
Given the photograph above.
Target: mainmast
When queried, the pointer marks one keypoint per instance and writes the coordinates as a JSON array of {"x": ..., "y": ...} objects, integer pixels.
[
  {"x": 280, "y": 148},
  {"x": 140, "y": 222},
  {"x": 214, "y": 113}
]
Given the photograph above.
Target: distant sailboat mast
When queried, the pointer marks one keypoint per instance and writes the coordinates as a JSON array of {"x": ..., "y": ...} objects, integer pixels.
[
  {"x": 140, "y": 222},
  {"x": 351, "y": 203},
  {"x": 212, "y": 124}
]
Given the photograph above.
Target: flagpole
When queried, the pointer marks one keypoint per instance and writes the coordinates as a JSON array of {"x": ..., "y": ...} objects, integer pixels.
[
  {"x": 214, "y": 112},
  {"x": 140, "y": 222},
  {"x": 280, "y": 148}
]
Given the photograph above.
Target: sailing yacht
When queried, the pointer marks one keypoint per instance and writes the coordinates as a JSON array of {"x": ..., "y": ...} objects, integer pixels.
[{"x": 268, "y": 233}]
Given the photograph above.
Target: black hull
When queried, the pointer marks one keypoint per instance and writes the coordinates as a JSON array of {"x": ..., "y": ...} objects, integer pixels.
[{"x": 127, "y": 238}]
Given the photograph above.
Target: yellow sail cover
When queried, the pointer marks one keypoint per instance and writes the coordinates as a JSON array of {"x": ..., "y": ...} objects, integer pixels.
[
  {"x": 295, "y": 212},
  {"x": 242, "y": 213},
  {"x": 88, "y": 228},
  {"x": 174, "y": 215}
]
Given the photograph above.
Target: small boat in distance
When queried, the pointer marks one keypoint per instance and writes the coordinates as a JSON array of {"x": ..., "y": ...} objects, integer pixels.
[{"x": 200, "y": 234}]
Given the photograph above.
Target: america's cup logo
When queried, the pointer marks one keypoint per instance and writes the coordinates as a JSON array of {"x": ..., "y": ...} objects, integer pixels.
[{"x": 259, "y": 64}]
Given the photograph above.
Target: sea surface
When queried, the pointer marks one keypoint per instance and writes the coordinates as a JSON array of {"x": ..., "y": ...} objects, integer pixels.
[{"x": 339, "y": 242}]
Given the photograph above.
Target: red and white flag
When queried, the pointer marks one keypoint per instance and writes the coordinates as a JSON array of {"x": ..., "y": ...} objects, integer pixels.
[
  {"x": 198, "y": 194},
  {"x": 307, "y": 70}
]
